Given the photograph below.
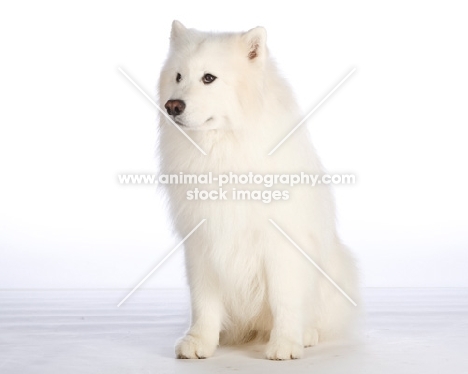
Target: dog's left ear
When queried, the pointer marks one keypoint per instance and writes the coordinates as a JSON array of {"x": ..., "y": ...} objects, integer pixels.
[
  {"x": 255, "y": 40},
  {"x": 178, "y": 30}
]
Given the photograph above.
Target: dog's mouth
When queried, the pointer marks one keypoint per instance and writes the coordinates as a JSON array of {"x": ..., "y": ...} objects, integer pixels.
[{"x": 181, "y": 124}]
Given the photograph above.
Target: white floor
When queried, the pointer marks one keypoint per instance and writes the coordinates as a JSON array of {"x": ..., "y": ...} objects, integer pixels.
[{"x": 47, "y": 332}]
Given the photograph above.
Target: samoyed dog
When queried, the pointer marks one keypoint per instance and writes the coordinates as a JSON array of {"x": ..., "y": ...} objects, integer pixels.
[{"x": 248, "y": 281}]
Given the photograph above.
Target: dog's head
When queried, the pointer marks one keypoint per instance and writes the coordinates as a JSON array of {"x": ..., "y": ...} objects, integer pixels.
[{"x": 213, "y": 81}]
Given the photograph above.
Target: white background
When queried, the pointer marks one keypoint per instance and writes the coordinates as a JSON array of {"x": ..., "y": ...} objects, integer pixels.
[{"x": 70, "y": 123}]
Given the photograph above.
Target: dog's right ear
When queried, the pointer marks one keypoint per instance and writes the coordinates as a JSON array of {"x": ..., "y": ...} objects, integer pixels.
[
  {"x": 255, "y": 41},
  {"x": 178, "y": 30}
]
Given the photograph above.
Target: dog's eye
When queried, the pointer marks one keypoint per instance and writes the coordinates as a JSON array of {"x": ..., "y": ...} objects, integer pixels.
[
  {"x": 178, "y": 77},
  {"x": 208, "y": 78}
]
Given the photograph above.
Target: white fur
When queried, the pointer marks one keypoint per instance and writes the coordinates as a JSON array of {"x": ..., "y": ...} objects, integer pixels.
[{"x": 246, "y": 279}]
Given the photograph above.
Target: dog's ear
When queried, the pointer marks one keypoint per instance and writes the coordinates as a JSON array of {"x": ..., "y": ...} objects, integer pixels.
[
  {"x": 178, "y": 30},
  {"x": 255, "y": 40}
]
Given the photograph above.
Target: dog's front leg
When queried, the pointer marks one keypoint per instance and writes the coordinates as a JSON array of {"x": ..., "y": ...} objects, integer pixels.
[
  {"x": 286, "y": 292},
  {"x": 203, "y": 336}
]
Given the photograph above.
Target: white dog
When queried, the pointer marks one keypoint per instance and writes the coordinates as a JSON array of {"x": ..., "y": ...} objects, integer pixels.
[{"x": 247, "y": 281}]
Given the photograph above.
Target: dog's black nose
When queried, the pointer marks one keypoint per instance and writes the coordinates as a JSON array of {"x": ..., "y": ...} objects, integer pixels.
[{"x": 175, "y": 107}]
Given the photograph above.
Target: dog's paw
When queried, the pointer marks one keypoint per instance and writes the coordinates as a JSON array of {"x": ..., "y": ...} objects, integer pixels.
[
  {"x": 283, "y": 349},
  {"x": 311, "y": 338},
  {"x": 193, "y": 347}
]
